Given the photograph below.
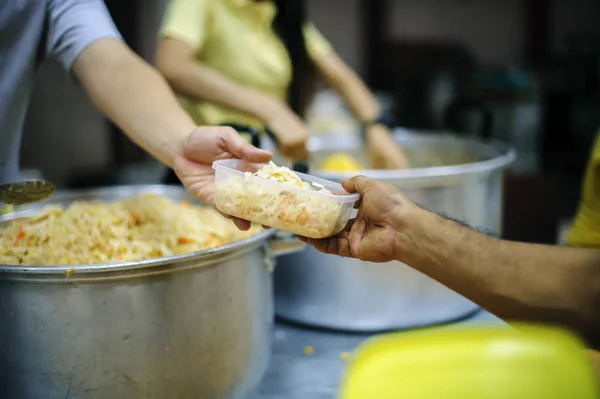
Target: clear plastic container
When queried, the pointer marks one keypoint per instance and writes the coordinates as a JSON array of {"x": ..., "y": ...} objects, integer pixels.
[{"x": 284, "y": 206}]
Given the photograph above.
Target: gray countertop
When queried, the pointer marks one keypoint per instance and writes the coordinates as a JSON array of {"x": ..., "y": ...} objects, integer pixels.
[{"x": 295, "y": 375}]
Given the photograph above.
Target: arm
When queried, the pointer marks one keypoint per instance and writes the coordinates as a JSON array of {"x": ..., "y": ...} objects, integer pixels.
[
  {"x": 133, "y": 95},
  {"x": 175, "y": 60},
  {"x": 383, "y": 150},
  {"x": 189, "y": 77},
  {"x": 516, "y": 281},
  {"x": 82, "y": 36},
  {"x": 349, "y": 86},
  {"x": 186, "y": 26},
  {"x": 139, "y": 100},
  {"x": 339, "y": 76}
]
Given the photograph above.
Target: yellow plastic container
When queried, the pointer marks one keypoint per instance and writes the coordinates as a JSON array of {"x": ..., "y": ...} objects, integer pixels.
[{"x": 474, "y": 362}]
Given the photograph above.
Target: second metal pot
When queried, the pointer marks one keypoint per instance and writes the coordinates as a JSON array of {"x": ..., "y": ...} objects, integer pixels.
[{"x": 457, "y": 177}]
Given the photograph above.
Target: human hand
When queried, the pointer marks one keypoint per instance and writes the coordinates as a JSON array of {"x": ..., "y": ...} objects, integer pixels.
[
  {"x": 377, "y": 233},
  {"x": 193, "y": 164},
  {"x": 383, "y": 151},
  {"x": 290, "y": 131}
]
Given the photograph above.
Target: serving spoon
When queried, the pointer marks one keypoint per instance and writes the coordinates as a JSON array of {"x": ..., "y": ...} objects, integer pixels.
[{"x": 25, "y": 192}]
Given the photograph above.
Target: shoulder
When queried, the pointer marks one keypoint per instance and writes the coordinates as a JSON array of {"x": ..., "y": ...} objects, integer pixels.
[{"x": 75, "y": 24}]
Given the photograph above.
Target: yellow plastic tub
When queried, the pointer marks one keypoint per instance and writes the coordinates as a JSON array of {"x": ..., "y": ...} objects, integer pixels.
[{"x": 475, "y": 362}]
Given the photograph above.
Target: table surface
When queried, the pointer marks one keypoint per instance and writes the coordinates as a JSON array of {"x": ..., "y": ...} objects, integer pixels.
[{"x": 295, "y": 375}]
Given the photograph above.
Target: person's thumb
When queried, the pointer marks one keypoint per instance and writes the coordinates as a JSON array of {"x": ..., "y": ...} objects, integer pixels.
[
  {"x": 356, "y": 184},
  {"x": 239, "y": 148},
  {"x": 255, "y": 155}
]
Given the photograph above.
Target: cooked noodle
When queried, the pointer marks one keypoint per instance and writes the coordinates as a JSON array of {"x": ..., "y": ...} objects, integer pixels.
[
  {"x": 137, "y": 228},
  {"x": 254, "y": 197}
]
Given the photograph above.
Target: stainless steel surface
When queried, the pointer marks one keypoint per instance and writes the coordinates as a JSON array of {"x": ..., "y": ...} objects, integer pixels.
[
  {"x": 518, "y": 124},
  {"x": 188, "y": 326},
  {"x": 295, "y": 375},
  {"x": 25, "y": 192},
  {"x": 348, "y": 294}
]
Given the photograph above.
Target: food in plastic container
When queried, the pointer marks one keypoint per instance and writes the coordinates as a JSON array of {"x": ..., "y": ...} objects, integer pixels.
[{"x": 278, "y": 197}]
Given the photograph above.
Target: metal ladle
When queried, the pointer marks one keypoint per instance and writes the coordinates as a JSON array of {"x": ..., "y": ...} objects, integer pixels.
[{"x": 25, "y": 192}]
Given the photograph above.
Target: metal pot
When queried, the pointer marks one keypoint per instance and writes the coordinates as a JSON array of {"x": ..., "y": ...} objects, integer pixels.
[
  {"x": 457, "y": 177},
  {"x": 189, "y": 326}
]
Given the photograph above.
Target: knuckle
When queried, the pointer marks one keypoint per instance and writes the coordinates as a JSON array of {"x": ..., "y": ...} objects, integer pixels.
[{"x": 227, "y": 132}]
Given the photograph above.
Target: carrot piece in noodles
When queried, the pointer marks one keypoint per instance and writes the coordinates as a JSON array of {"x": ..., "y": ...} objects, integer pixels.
[
  {"x": 20, "y": 236},
  {"x": 183, "y": 240}
]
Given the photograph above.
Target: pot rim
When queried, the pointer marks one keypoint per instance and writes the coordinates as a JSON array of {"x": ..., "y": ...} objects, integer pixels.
[
  {"x": 501, "y": 155},
  {"x": 204, "y": 256}
]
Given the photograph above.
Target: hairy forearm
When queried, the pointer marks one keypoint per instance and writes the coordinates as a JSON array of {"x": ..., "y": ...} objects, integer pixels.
[
  {"x": 516, "y": 281},
  {"x": 134, "y": 96},
  {"x": 196, "y": 81}
]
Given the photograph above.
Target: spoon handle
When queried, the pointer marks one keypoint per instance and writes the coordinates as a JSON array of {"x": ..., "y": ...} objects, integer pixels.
[{"x": 25, "y": 192}]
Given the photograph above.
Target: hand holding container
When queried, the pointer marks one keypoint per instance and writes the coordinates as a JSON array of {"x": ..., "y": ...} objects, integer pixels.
[{"x": 315, "y": 208}]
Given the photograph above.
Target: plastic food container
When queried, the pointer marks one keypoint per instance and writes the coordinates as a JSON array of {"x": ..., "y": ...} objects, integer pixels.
[
  {"x": 528, "y": 361},
  {"x": 284, "y": 206}
]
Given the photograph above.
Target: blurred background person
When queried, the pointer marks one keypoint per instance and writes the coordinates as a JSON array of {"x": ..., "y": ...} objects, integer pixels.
[
  {"x": 255, "y": 63},
  {"x": 585, "y": 232}
]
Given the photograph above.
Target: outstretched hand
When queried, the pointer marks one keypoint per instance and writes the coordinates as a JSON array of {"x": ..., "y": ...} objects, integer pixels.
[
  {"x": 376, "y": 233},
  {"x": 193, "y": 164}
]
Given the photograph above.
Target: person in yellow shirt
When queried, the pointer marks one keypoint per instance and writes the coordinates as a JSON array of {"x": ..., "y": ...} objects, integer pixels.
[
  {"x": 585, "y": 232},
  {"x": 254, "y": 62}
]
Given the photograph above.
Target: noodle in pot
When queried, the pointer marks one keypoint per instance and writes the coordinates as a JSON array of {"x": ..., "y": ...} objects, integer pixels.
[{"x": 134, "y": 229}]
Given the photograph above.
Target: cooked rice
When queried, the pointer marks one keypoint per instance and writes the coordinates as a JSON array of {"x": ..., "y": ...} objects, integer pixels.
[{"x": 137, "y": 228}]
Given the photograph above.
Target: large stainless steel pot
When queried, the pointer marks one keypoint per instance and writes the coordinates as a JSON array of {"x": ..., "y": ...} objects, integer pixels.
[
  {"x": 189, "y": 326},
  {"x": 460, "y": 178}
]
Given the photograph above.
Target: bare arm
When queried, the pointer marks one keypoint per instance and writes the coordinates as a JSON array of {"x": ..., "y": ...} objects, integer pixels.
[
  {"x": 384, "y": 152},
  {"x": 349, "y": 86},
  {"x": 174, "y": 59},
  {"x": 190, "y": 78},
  {"x": 516, "y": 281},
  {"x": 132, "y": 94}
]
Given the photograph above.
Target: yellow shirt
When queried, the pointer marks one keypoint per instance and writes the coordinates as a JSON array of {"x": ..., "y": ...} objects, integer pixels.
[
  {"x": 235, "y": 37},
  {"x": 586, "y": 228}
]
